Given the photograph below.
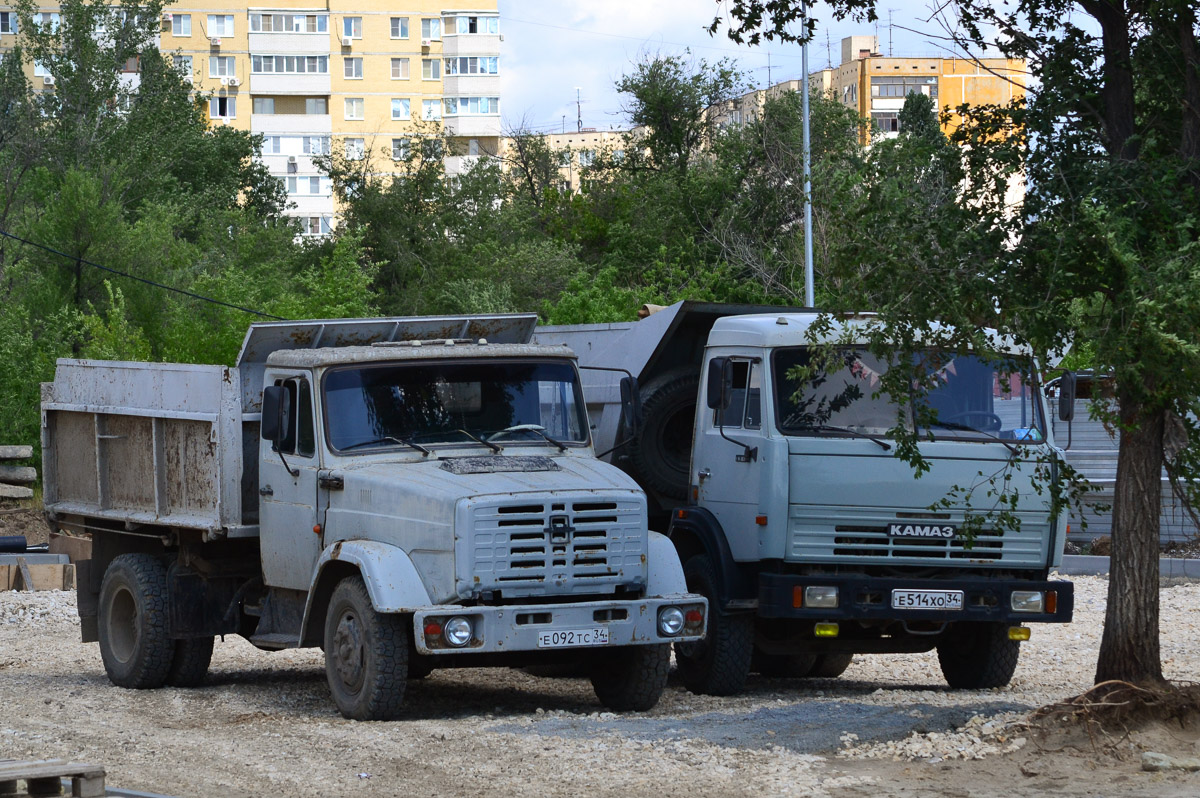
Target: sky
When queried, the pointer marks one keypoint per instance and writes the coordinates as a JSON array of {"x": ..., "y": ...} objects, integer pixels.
[{"x": 553, "y": 47}]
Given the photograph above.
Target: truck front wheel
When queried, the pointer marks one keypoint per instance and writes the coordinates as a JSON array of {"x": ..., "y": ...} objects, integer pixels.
[
  {"x": 366, "y": 654},
  {"x": 133, "y": 627},
  {"x": 720, "y": 663},
  {"x": 632, "y": 679},
  {"x": 977, "y": 656}
]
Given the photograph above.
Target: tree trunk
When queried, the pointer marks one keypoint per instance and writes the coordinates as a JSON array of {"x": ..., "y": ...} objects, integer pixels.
[{"x": 1129, "y": 650}]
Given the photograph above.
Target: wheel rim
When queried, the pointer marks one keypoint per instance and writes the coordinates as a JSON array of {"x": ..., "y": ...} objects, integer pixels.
[
  {"x": 348, "y": 652},
  {"x": 122, "y": 625}
]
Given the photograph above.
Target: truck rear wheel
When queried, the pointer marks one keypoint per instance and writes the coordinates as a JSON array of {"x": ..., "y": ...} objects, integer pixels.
[
  {"x": 366, "y": 654},
  {"x": 720, "y": 663},
  {"x": 976, "y": 656},
  {"x": 133, "y": 625},
  {"x": 661, "y": 454},
  {"x": 632, "y": 679},
  {"x": 190, "y": 661}
]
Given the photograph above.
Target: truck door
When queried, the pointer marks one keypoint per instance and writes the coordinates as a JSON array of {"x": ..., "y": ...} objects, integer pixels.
[
  {"x": 287, "y": 479},
  {"x": 729, "y": 466}
]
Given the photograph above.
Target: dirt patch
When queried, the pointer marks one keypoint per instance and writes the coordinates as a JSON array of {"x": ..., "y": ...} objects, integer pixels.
[{"x": 25, "y": 521}]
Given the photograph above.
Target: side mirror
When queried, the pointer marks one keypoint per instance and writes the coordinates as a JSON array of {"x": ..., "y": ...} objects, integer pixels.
[
  {"x": 274, "y": 424},
  {"x": 1066, "y": 396},
  {"x": 720, "y": 382},
  {"x": 631, "y": 405}
]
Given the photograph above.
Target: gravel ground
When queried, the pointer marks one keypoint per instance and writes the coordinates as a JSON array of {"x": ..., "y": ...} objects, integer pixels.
[{"x": 264, "y": 724}]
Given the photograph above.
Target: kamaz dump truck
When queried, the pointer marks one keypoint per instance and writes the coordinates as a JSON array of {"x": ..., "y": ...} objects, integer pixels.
[
  {"x": 791, "y": 513},
  {"x": 406, "y": 494}
]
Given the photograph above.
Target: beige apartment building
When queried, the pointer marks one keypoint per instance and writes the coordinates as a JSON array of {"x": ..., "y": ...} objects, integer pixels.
[{"x": 365, "y": 76}]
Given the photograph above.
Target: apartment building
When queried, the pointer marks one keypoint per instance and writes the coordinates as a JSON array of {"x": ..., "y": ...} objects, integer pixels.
[{"x": 364, "y": 76}]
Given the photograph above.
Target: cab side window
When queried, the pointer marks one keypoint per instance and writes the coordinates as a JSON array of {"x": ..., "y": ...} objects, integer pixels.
[
  {"x": 745, "y": 398},
  {"x": 299, "y": 437}
]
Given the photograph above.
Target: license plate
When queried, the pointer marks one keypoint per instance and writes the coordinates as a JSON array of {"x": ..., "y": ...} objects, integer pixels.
[
  {"x": 937, "y": 531},
  {"x": 570, "y": 638},
  {"x": 927, "y": 599}
]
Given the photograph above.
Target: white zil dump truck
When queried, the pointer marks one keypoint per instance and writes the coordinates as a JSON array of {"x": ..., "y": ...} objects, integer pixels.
[
  {"x": 406, "y": 494},
  {"x": 791, "y": 513}
]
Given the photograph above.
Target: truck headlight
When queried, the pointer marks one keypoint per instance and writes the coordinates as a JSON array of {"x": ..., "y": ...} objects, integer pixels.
[
  {"x": 457, "y": 631},
  {"x": 670, "y": 621},
  {"x": 1028, "y": 601},
  {"x": 821, "y": 597}
]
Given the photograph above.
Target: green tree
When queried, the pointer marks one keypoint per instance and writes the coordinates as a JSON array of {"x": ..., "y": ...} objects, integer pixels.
[{"x": 1110, "y": 145}]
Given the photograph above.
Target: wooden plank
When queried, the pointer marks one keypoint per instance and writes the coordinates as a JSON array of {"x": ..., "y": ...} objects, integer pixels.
[
  {"x": 50, "y": 576},
  {"x": 5, "y": 583},
  {"x": 18, "y": 475},
  {"x": 16, "y": 452},
  {"x": 87, "y": 781},
  {"x": 74, "y": 546},
  {"x": 14, "y": 492},
  {"x": 23, "y": 575}
]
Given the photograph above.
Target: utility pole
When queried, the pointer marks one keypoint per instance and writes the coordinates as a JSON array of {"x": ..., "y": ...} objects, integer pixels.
[
  {"x": 809, "y": 301},
  {"x": 578, "y": 111}
]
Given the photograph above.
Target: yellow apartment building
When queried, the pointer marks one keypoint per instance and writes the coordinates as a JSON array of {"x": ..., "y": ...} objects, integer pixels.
[{"x": 365, "y": 76}]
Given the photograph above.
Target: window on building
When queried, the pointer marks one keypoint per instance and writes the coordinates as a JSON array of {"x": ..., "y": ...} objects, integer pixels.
[
  {"x": 132, "y": 65},
  {"x": 40, "y": 70},
  {"x": 356, "y": 149},
  {"x": 220, "y": 25},
  {"x": 289, "y": 64},
  {"x": 183, "y": 64},
  {"x": 400, "y": 149},
  {"x": 586, "y": 158},
  {"x": 8, "y": 21},
  {"x": 221, "y": 66},
  {"x": 472, "y": 65},
  {"x": 474, "y": 24},
  {"x": 473, "y": 147},
  {"x": 887, "y": 121},
  {"x": 271, "y": 145},
  {"x": 431, "y": 148},
  {"x": 431, "y": 69},
  {"x": 289, "y": 23},
  {"x": 400, "y": 108},
  {"x": 316, "y": 105},
  {"x": 354, "y": 107},
  {"x": 291, "y": 184},
  {"x": 181, "y": 24},
  {"x": 353, "y": 67},
  {"x": 431, "y": 109},
  {"x": 263, "y": 105},
  {"x": 431, "y": 29},
  {"x": 352, "y": 27},
  {"x": 399, "y": 69},
  {"x": 314, "y": 185},
  {"x": 399, "y": 27},
  {"x": 316, "y": 145},
  {"x": 315, "y": 225},
  {"x": 902, "y": 86},
  {"x": 471, "y": 106},
  {"x": 47, "y": 19},
  {"x": 222, "y": 107}
]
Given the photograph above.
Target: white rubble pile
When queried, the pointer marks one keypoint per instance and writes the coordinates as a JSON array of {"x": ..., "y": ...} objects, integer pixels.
[
  {"x": 981, "y": 736},
  {"x": 33, "y": 610}
]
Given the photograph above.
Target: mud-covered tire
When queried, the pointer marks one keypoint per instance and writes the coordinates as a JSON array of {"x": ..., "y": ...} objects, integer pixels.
[
  {"x": 830, "y": 666},
  {"x": 978, "y": 656},
  {"x": 718, "y": 664},
  {"x": 133, "y": 622},
  {"x": 660, "y": 456},
  {"x": 782, "y": 666},
  {"x": 189, "y": 663},
  {"x": 366, "y": 654},
  {"x": 632, "y": 679}
]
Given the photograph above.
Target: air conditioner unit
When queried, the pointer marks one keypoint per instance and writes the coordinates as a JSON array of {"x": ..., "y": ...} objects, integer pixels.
[
  {"x": 346, "y": 41},
  {"x": 234, "y": 82},
  {"x": 215, "y": 41},
  {"x": 167, "y": 18},
  {"x": 48, "y": 80},
  {"x": 426, "y": 42}
]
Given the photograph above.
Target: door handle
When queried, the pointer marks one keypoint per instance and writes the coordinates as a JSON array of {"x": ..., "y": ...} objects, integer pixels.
[
  {"x": 704, "y": 474},
  {"x": 265, "y": 490}
]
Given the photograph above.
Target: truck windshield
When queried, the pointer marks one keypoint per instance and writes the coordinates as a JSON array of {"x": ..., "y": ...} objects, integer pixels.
[
  {"x": 963, "y": 397},
  {"x": 390, "y": 404}
]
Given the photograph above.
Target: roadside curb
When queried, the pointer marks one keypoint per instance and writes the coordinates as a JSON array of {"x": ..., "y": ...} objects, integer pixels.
[{"x": 1168, "y": 567}]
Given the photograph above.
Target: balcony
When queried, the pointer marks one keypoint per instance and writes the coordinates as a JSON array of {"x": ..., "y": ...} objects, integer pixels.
[
  {"x": 471, "y": 44},
  {"x": 471, "y": 85},
  {"x": 476, "y": 127},
  {"x": 289, "y": 43},
  {"x": 292, "y": 124},
  {"x": 290, "y": 84}
]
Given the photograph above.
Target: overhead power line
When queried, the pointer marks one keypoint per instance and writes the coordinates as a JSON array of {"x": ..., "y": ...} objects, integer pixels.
[{"x": 119, "y": 273}]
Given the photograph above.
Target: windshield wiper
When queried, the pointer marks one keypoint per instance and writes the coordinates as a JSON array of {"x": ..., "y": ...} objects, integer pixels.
[
  {"x": 967, "y": 428},
  {"x": 388, "y": 439},
  {"x": 537, "y": 430},
  {"x": 887, "y": 447},
  {"x": 488, "y": 444}
]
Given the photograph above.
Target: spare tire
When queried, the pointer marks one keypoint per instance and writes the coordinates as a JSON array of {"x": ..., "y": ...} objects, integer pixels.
[{"x": 661, "y": 455}]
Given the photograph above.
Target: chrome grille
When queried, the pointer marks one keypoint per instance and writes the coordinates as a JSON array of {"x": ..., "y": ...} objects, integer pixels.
[{"x": 870, "y": 541}]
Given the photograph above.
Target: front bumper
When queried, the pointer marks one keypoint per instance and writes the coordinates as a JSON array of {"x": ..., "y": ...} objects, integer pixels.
[
  {"x": 517, "y": 627},
  {"x": 869, "y": 598}
]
